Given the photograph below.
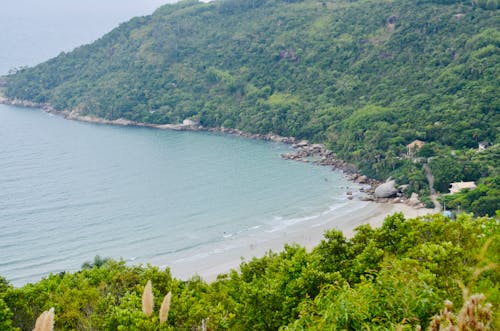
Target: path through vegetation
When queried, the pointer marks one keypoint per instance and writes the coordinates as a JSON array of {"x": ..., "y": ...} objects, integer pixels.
[{"x": 434, "y": 195}]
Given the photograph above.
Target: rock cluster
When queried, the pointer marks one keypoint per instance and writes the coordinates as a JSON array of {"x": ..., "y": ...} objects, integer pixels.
[
  {"x": 269, "y": 137},
  {"x": 362, "y": 179},
  {"x": 20, "y": 103},
  {"x": 388, "y": 193},
  {"x": 304, "y": 151},
  {"x": 317, "y": 153}
]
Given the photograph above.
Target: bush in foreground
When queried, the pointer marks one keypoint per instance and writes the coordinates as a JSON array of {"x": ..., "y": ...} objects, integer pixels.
[{"x": 393, "y": 277}]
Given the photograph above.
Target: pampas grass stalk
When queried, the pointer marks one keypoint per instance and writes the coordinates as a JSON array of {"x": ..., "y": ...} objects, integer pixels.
[
  {"x": 45, "y": 322},
  {"x": 48, "y": 323},
  {"x": 147, "y": 300},
  {"x": 39, "y": 321},
  {"x": 165, "y": 307},
  {"x": 474, "y": 316}
]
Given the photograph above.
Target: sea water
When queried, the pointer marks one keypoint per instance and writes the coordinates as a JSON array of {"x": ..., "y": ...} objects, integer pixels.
[{"x": 71, "y": 190}]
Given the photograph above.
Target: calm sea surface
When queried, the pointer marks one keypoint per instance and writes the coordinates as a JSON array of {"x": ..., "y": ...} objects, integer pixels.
[{"x": 72, "y": 190}]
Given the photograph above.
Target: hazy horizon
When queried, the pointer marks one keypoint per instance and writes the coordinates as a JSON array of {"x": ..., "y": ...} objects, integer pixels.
[{"x": 41, "y": 30}]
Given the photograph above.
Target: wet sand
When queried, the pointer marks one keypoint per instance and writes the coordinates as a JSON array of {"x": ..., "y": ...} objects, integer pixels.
[{"x": 219, "y": 258}]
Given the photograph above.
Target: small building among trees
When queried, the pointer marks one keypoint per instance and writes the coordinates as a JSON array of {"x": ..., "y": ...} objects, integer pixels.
[{"x": 458, "y": 186}]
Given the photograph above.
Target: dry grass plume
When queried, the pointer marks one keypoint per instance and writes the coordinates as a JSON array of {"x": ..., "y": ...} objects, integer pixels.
[
  {"x": 147, "y": 300},
  {"x": 45, "y": 322},
  {"x": 474, "y": 316},
  {"x": 165, "y": 307}
]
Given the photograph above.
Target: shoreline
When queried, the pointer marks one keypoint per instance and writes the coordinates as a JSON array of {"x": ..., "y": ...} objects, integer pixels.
[
  {"x": 305, "y": 152},
  {"x": 216, "y": 259},
  {"x": 359, "y": 209}
]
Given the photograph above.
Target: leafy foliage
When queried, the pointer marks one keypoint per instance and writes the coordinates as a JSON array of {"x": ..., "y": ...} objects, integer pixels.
[
  {"x": 394, "y": 276},
  {"x": 365, "y": 77}
]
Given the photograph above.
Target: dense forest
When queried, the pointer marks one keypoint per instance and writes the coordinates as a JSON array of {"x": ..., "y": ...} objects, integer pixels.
[
  {"x": 365, "y": 77},
  {"x": 395, "y": 277}
]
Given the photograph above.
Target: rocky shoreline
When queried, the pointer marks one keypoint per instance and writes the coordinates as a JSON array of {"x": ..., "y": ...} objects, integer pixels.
[{"x": 303, "y": 150}]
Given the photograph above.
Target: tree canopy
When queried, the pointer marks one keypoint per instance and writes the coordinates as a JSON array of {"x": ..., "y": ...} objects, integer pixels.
[
  {"x": 366, "y": 77},
  {"x": 393, "y": 277}
]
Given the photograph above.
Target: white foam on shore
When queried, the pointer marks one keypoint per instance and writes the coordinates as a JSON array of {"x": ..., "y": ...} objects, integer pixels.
[{"x": 217, "y": 258}]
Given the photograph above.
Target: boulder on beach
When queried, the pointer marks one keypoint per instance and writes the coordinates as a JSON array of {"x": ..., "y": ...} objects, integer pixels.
[
  {"x": 386, "y": 190},
  {"x": 414, "y": 201}
]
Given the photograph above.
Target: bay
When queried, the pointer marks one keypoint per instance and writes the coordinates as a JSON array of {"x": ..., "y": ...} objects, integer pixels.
[{"x": 72, "y": 190}]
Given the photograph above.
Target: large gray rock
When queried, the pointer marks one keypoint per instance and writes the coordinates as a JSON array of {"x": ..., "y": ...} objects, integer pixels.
[{"x": 386, "y": 190}]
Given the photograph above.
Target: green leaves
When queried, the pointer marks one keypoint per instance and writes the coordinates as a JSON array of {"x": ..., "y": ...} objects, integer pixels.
[
  {"x": 364, "y": 77},
  {"x": 394, "y": 276},
  {"x": 5, "y": 317}
]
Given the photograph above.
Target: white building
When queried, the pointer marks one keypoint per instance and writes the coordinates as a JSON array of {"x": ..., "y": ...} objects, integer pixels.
[{"x": 458, "y": 186}]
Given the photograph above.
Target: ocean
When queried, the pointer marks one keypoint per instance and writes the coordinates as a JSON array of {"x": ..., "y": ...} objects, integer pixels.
[{"x": 70, "y": 190}]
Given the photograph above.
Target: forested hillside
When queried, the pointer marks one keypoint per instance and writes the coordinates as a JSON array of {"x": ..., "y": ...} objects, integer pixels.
[
  {"x": 391, "y": 278},
  {"x": 365, "y": 77}
]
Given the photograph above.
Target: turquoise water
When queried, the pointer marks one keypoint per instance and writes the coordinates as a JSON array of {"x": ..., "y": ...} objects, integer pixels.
[{"x": 72, "y": 190}]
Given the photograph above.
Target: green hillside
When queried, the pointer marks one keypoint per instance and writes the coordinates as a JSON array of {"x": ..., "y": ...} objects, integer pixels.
[
  {"x": 391, "y": 278},
  {"x": 365, "y": 77}
]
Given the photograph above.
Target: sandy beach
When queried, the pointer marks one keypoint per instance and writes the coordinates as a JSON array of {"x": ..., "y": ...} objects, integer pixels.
[
  {"x": 212, "y": 259},
  {"x": 219, "y": 258}
]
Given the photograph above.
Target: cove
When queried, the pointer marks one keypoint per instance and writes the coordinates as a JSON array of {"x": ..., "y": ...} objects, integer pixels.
[{"x": 73, "y": 190}]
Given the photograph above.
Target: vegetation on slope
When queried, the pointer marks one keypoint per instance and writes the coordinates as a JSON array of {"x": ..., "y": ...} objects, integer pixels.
[
  {"x": 366, "y": 77},
  {"x": 396, "y": 275}
]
